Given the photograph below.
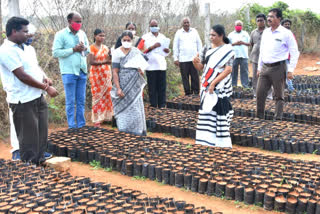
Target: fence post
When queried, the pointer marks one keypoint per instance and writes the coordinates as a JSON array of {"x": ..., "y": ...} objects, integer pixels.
[
  {"x": 207, "y": 23},
  {"x": 14, "y": 9}
]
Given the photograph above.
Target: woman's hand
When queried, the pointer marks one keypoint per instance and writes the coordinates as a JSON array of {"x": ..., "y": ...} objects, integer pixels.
[
  {"x": 196, "y": 59},
  {"x": 211, "y": 88},
  {"x": 140, "y": 71},
  {"x": 120, "y": 93}
]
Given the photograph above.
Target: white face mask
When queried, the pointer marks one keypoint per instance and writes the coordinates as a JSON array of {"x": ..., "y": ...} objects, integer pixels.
[
  {"x": 126, "y": 44},
  {"x": 133, "y": 32}
]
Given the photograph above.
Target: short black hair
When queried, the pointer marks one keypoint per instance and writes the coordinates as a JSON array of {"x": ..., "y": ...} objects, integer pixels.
[
  {"x": 286, "y": 20},
  {"x": 131, "y": 23},
  {"x": 70, "y": 15},
  {"x": 126, "y": 33},
  {"x": 15, "y": 23},
  {"x": 261, "y": 15},
  {"x": 277, "y": 11}
]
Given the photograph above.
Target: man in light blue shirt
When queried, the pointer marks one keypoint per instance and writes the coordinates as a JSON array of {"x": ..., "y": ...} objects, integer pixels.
[
  {"x": 240, "y": 41},
  {"x": 70, "y": 47}
]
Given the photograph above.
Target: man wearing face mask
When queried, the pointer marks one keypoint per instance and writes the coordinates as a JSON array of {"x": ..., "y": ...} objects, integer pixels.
[
  {"x": 240, "y": 42},
  {"x": 70, "y": 46},
  {"x": 156, "y": 71}
]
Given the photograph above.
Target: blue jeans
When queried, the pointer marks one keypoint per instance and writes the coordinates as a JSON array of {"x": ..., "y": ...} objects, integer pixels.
[
  {"x": 290, "y": 85},
  {"x": 75, "y": 90},
  {"x": 244, "y": 76}
]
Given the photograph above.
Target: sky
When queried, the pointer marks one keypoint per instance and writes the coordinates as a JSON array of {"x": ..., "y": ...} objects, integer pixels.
[
  {"x": 232, "y": 5},
  {"x": 224, "y": 5}
]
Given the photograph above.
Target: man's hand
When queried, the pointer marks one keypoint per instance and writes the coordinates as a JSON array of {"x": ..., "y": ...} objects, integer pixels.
[
  {"x": 52, "y": 91},
  {"x": 166, "y": 50},
  {"x": 177, "y": 63},
  {"x": 47, "y": 81},
  {"x": 289, "y": 75},
  {"x": 79, "y": 47},
  {"x": 156, "y": 45},
  {"x": 258, "y": 73}
]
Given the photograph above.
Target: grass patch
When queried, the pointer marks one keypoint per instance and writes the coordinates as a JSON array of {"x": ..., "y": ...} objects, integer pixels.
[{"x": 138, "y": 178}]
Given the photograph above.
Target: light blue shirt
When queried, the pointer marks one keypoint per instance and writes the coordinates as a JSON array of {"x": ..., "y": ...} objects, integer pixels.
[
  {"x": 241, "y": 51},
  {"x": 13, "y": 57},
  {"x": 70, "y": 62}
]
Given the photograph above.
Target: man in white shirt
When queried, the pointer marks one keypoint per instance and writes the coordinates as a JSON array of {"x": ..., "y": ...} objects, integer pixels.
[
  {"x": 30, "y": 52},
  {"x": 240, "y": 41},
  {"x": 186, "y": 45},
  {"x": 25, "y": 84},
  {"x": 156, "y": 71},
  {"x": 277, "y": 43}
]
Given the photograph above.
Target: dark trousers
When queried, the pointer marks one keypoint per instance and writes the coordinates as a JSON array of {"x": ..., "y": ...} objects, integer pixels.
[
  {"x": 31, "y": 123},
  {"x": 254, "y": 77},
  {"x": 188, "y": 70},
  {"x": 271, "y": 76},
  {"x": 157, "y": 88}
]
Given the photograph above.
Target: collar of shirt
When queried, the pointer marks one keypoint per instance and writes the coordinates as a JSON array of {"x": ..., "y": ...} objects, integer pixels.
[
  {"x": 12, "y": 44},
  {"x": 278, "y": 29},
  {"x": 189, "y": 31}
]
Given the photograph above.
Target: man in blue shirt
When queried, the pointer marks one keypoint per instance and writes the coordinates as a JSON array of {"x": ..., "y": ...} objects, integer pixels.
[
  {"x": 240, "y": 41},
  {"x": 70, "y": 46}
]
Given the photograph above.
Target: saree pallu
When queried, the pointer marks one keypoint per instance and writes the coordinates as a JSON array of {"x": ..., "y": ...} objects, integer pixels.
[
  {"x": 213, "y": 127},
  {"x": 100, "y": 79},
  {"x": 129, "y": 110}
]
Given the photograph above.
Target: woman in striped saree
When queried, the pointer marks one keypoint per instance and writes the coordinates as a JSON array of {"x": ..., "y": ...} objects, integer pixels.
[{"x": 213, "y": 127}]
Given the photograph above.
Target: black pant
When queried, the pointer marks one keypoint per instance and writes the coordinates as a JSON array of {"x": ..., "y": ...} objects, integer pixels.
[
  {"x": 157, "y": 88},
  {"x": 31, "y": 123},
  {"x": 187, "y": 69}
]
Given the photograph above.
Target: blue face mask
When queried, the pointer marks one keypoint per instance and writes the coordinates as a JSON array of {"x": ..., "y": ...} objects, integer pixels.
[
  {"x": 154, "y": 29},
  {"x": 29, "y": 41}
]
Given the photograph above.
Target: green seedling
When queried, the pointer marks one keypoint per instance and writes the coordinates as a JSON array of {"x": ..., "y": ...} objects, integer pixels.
[
  {"x": 109, "y": 169},
  {"x": 141, "y": 178},
  {"x": 189, "y": 146},
  {"x": 95, "y": 164}
]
